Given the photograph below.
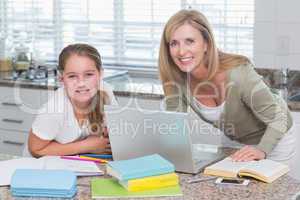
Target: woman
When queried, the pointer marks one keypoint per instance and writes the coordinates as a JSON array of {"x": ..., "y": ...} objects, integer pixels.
[
  {"x": 222, "y": 89},
  {"x": 72, "y": 121}
]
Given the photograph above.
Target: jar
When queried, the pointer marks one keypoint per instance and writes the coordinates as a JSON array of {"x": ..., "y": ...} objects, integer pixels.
[
  {"x": 5, "y": 59},
  {"x": 22, "y": 60}
]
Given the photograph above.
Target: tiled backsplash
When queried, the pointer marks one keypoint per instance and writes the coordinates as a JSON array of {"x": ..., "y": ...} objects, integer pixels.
[{"x": 273, "y": 77}]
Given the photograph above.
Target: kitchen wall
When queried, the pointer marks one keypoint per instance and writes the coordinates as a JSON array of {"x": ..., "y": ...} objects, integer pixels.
[{"x": 276, "y": 34}]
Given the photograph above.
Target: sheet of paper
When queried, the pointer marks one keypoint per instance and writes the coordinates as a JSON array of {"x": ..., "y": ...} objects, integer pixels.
[
  {"x": 8, "y": 167},
  {"x": 268, "y": 168},
  {"x": 81, "y": 168},
  {"x": 228, "y": 165}
]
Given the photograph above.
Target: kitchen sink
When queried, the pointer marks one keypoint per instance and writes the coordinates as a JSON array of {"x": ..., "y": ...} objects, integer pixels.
[{"x": 294, "y": 97}]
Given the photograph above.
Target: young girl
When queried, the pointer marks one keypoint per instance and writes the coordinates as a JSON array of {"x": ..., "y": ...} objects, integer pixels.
[{"x": 72, "y": 121}]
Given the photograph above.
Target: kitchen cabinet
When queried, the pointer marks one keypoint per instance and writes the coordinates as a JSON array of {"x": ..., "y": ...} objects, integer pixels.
[
  {"x": 12, "y": 142},
  {"x": 295, "y": 173},
  {"x": 18, "y": 107}
]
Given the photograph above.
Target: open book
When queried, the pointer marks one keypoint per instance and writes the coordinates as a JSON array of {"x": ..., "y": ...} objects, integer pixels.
[
  {"x": 264, "y": 170},
  {"x": 80, "y": 168}
]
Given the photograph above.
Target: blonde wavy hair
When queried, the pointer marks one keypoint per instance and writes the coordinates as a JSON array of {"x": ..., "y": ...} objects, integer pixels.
[{"x": 215, "y": 60}]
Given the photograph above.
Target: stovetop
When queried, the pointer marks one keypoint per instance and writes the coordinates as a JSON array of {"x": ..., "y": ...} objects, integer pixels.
[{"x": 42, "y": 75}]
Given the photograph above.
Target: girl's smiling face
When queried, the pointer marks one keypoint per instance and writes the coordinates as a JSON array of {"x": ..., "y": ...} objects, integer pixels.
[{"x": 81, "y": 79}]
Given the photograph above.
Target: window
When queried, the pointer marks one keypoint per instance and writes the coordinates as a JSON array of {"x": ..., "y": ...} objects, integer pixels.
[
  {"x": 126, "y": 32},
  {"x": 232, "y": 21}
]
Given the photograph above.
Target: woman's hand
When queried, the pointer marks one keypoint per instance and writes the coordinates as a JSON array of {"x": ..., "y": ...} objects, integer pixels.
[
  {"x": 248, "y": 153},
  {"x": 97, "y": 144}
]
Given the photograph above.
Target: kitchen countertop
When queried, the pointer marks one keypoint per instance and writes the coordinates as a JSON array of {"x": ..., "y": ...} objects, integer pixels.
[
  {"x": 142, "y": 87},
  {"x": 49, "y": 84},
  {"x": 283, "y": 188},
  {"x": 125, "y": 85}
]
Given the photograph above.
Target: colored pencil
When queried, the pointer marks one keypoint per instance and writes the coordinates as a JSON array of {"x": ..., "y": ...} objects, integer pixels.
[
  {"x": 82, "y": 159},
  {"x": 94, "y": 159},
  {"x": 103, "y": 156}
]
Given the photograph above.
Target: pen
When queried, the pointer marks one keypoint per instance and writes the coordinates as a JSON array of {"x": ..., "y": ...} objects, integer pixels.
[
  {"x": 197, "y": 180},
  {"x": 94, "y": 159},
  {"x": 103, "y": 156}
]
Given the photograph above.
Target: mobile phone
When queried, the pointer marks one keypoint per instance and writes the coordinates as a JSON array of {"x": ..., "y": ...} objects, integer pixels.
[{"x": 232, "y": 181}]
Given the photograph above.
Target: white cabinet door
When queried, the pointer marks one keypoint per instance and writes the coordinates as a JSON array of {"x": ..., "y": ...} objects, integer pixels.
[
  {"x": 295, "y": 173},
  {"x": 296, "y": 118},
  {"x": 15, "y": 119},
  {"x": 12, "y": 142},
  {"x": 18, "y": 107},
  {"x": 27, "y": 99}
]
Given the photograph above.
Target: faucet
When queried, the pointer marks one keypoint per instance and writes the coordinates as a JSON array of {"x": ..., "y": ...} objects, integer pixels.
[
  {"x": 281, "y": 80},
  {"x": 284, "y": 81}
]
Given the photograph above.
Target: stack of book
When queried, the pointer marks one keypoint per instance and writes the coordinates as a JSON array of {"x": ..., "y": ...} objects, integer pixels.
[
  {"x": 143, "y": 173},
  {"x": 43, "y": 183},
  {"x": 144, "y": 176}
]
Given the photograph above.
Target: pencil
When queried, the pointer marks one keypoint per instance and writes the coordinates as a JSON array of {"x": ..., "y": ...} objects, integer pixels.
[
  {"x": 94, "y": 159},
  {"x": 101, "y": 156},
  {"x": 76, "y": 158}
]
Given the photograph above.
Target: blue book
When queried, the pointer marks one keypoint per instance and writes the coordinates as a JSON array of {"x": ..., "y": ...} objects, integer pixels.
[
  {"x": 43, "y": 183},
  {"x": 139, "y": 167}
]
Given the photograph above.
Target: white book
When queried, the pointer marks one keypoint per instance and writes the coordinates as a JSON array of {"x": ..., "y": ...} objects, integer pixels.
[
  {"x": 8, "y": 167},
  {"x": 264, "y": 170}
]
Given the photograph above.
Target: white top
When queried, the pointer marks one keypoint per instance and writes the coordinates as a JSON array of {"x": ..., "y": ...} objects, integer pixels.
[
  {"x": 57, "y": 121},
  {"x": 210, "y": 113}
]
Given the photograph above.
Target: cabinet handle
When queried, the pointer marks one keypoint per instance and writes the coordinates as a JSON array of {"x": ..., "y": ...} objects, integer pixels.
[
  {"x": 11, "y": 104},
  {"x": 17, "y": 121},
  {"x": 13, "y": 142}
]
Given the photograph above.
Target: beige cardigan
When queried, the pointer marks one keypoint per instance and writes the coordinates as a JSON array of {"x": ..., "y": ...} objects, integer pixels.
[{"x": 252, "y": 114}]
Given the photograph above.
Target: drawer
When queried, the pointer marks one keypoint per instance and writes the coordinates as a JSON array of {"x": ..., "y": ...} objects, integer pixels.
[
  {"x": 11, "y": 97},
  {"x": 12, "y": 142},
  {"x": 16, "y": 119}
]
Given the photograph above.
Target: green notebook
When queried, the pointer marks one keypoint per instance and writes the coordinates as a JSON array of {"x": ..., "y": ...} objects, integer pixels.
[{"x": 110, "y": 188}]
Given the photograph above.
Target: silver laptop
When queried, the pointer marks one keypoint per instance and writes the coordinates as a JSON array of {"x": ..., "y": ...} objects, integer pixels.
[{"x": 135, "y": 133}]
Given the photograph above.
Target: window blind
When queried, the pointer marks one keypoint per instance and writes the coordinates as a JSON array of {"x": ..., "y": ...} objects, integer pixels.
[
  {"x": 30, "y": 22},
  {"x": 142, "y": 24},
  {"x": 2, "y": 29},
  {"x": 232, "y": 22},
  {"x": 126, "y": 32}
]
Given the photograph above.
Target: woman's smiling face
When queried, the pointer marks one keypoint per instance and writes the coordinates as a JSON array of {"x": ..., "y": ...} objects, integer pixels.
[{"x": 187, "y": 48}]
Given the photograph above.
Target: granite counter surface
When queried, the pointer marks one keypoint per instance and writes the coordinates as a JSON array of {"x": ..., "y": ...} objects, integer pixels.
[
  {"x": 49, "y": 84},
  {"x": 125, "y": 86},
  {"x": 282, "y": 189}
]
